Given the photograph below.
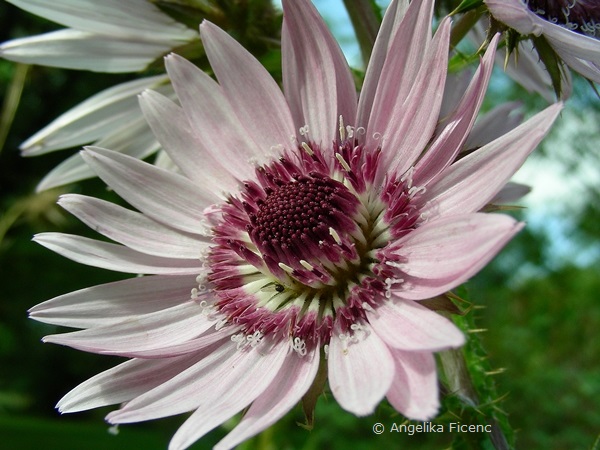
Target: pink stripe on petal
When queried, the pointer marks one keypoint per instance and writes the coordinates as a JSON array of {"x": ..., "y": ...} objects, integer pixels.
[
  {"x": 213, "y": 119},
  {"x": 414, "y": 391},
  {"x": 402, "y": 63},
  {"x": 412, "y": 123},
  {"x": 193, "y": 157},
  {"x": 164, "y": 328},
  {"x": 447, "y": 145},
  {"x": 407, "y": 325},
  {"x": 316, "y": 78},
  {"x": 291, "y": 383},
  {"x": 125, "y": 382},
  {"x": 133, "y": 229},
  {"x": 446, "y": 252},
  {"x": 471, "y": 182},
  {"x": 361, "y": 370},
  {"x": 239, "y": 382},
  {"x": 389, "y": 27},
  {"x": 165, "y": 196},
  {"x": 114, "y": 257},
  {"x": 183, "y": 392},
  {"x": 208, "y": 339},
  {"x": 113, "y": 302},
  {"x": 255, "y": 97}
]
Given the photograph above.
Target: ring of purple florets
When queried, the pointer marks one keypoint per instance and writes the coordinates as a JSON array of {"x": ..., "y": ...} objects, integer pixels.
[{"x": 301, "y": 247}]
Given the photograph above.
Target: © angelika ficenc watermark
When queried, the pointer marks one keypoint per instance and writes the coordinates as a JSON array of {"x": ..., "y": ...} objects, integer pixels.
[{"x": 429, "y": 427}]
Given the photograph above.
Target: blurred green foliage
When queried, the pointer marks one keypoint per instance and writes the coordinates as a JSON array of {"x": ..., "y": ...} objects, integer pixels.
[{"x": 541, "y": 316}]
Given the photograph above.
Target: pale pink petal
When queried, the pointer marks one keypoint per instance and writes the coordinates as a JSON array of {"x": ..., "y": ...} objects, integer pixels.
[
  {"x": 111, "y": 17},
  {"x": 114, "y": 302},
  {"x": 208, "y": 339},
  {"x": 414, "y": 391},
  {"x": 287, "y": 388},
  {"x": 407, "y": 325},
  {"x": 470, "y": 183},
  {"x": 212, "y": 385},
  {"x": 448, "y": 251},
  {"x": 133, "y": 229},
  {"x": 134, "y": 138},
  {"x": 511, "y": 192},
  {"x": 361, "y": 370},
  {"x": 256, "y": 97},
  {"x": 316, "y": 78},
  {"x": 81, "y": 50},
  {"x": 568, "y": 42},
  {"x": 162, "y": 195},
  {"x": 402, "y": 64},
  {"x": 447, "y": 145},
  {"x": 68, "y": 171},
  {"x": 214, "y": 121},
  {"x": 389, "y": 27},
  {"x": 143, "y": 332},
  {"x": 412, "y": 122},
  {"x": 94, "y": 118},
  {"x": 183, "y": 392},
  {"x": 125, "y": 382},
  {"x": 589, "y": 68},
  {"x": 189, "y": 152},
  {"x": 114, "y": 257},
  {"x": 229, "y": 393}
]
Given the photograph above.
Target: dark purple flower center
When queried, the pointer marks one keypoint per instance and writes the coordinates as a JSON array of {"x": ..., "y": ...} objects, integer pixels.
[
  {"x": 300, "y": 211},
  {"x": 581, "y": 16}
]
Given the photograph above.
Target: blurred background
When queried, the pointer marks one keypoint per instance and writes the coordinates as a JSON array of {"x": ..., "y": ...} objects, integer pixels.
[{"x": 536, "y": 307}]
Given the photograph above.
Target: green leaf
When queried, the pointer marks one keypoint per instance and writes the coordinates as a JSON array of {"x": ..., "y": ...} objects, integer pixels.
[
  {"x": 552, "y": 62},
  {"x": 467, "y": 5}
]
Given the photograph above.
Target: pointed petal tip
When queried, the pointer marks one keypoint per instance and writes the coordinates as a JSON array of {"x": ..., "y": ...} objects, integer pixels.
[
  {"x": 206, "y": 26},
  {"x": 110, "y": 417}
]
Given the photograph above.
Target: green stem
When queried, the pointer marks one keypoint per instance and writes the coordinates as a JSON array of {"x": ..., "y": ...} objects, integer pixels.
[
  {"x": 366, "y": 19},
  {"x": 10, "y": 217},
  {"x": 464, "y": 25},
  {"x": 11, "y": 102}
]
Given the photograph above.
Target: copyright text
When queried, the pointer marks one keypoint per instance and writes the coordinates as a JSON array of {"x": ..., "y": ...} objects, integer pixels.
[{"x": 429, "y": 427}]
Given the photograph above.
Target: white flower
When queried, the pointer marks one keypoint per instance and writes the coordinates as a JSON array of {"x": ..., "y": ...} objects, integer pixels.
[{"x": 103, "y": 36}]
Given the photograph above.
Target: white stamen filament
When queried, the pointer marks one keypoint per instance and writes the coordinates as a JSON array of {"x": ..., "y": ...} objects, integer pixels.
[
  {"x": 342, "y": 129},
  {"x": 343, "y": 162},
  {"x": 307, "y": 265},
  {"x": 285, "y": 267},
  {"x": 334, "y": 234},
  {"x": 307, "y": 149}
]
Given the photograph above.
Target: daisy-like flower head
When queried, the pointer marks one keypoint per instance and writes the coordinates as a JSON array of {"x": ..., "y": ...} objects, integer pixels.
[
  {"x": 101, "y": 36},
  {"x": 303, "y": 230},
  {"x": 572, "y": 28}
]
